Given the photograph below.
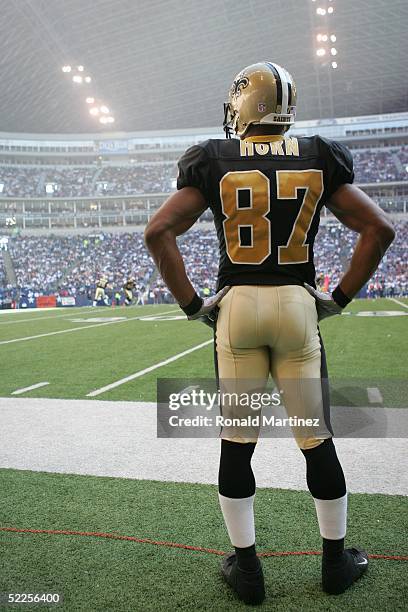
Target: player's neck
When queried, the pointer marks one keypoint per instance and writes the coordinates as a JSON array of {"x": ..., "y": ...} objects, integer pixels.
[
  {"x": 264, "y": 130},
  {"x": 263, "y": 133}
]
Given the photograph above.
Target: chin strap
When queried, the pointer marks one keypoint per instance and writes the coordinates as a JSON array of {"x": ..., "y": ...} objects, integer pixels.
[{"x": 226, "y": 124}]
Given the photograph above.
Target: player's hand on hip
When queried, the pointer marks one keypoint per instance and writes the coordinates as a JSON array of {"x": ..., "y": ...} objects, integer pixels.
[
  {"x": 325, "y": 305},
  {"x": 209, "y": 304}
]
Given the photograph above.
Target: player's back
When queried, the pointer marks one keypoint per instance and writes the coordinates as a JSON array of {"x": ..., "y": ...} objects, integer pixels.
[{"x": 266, "y": 194}]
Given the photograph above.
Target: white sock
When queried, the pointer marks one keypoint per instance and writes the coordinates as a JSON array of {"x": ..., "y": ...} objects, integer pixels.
[
  {"x": 239, "y": 519},
  {"x": 332, "y": 517}
]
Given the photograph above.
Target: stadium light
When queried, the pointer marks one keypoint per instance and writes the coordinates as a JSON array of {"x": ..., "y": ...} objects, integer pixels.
[
  {"x": 333, "y": 51},
  {"x": 320, "y": 52},
  {"x": 334, "y": 64},
  {"x": 330, "y": 10},
  {"x": 320, "y": 11},
  {"x": 333, "y": 38},
  {"x": 98, "y": 107},
  {"x": 324, "y": 38}
]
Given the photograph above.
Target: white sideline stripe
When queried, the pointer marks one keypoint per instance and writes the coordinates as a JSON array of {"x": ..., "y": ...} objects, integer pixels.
[
  {"x": 75, "y": 437},
  {"x": 374, "y": 395},
  {"x": 72, "y": 329},
  {"x": 36, "y": 319},
  {"x": 37, "y": 386},
  {"x": 398, "y": 302},
  {"x": 93, "y": 309},
  {"x": 122, "y": 381}
]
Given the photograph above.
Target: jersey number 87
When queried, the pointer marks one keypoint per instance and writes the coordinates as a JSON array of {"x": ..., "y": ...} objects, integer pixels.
[{"x": 295, "y": 251}]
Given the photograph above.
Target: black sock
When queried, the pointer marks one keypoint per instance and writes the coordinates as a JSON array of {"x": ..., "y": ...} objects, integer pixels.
[
  {"x": 236, "y": 478},
  {"x": 247, "y": 559},
  {"x": 333, "y": 550}
]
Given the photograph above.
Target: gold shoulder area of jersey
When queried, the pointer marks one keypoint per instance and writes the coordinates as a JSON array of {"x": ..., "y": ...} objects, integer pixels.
[{"x": 285, "y": 146}]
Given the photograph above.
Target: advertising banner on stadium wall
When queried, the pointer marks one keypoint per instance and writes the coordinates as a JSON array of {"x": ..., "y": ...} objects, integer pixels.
[
  {"x": 66, "y": 300},
  {"x": 46, "y": 301},
  {"x": 113, "y": 146}
]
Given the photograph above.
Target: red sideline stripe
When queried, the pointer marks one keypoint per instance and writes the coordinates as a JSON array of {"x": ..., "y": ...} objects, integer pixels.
[{"x": 116, "y": 536}]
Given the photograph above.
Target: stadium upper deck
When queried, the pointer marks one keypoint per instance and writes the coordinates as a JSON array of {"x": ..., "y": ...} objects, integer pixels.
[{"x": 53, "y": 182}]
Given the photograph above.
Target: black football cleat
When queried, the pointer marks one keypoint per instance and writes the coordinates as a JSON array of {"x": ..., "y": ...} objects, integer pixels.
[
  {"x": 338, "y": 577},
  {"x": 248, "y": 585}
]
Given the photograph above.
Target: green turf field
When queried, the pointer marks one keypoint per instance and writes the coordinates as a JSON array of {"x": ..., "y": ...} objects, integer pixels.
[
  {"x": 79, "y": 351},
  {"x": 101, "y": 574},
  {"x": 94, "y": 351}
]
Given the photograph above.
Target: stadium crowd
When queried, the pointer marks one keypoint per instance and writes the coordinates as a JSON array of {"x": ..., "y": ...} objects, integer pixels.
[
  {"x": 71, "y": 265},
  {"x": 371, "y": 166},
  {"x": 381, "y": 165}
]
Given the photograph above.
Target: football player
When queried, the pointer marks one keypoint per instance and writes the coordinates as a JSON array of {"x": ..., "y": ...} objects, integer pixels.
[
  {"x": 128, "y": 289},
  {"x": 100, "y": 294},
  {"x": 266, "y": 191}
]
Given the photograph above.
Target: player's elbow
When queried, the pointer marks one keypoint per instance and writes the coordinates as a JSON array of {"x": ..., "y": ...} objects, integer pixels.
[
  {"x": 385, "y": 233},
  {"x": 154, "y": 232},
  {"x": 380, "y": 231}
]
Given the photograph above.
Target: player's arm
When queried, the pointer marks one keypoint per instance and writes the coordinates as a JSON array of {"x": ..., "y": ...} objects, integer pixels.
[
  {"x": 354, "y": 209},
  {"x": 173, "y": 218}
]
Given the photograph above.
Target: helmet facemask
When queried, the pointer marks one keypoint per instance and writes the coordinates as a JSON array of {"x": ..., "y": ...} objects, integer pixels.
[{"x": 229, "y": 123}]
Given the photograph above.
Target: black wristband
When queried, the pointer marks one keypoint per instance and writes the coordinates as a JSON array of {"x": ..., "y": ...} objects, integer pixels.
[
  {"x": 340, "y": 298},
  {"x": 193, "y": 307}
]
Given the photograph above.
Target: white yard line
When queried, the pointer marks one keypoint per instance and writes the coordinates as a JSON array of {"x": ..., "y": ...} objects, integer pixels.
[
  {"x": 398, "y": 302},
  {"x": 122, "y": 381},
  {"x": 31, "y": 388},
  {"x": 73, "y": 329},
  {"x": 374, "y": 395}
]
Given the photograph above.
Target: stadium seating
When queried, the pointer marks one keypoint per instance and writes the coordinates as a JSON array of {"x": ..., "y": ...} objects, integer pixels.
[
  {"x": 371, "y": 166},
  {"x": 70, "y": 265}
]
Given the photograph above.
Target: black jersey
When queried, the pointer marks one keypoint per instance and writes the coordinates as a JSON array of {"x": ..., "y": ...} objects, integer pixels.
[
  {"x": 101, "y": 284},
  {"x": 129, "y": 285},
  {"x": 266, "y": 194}
]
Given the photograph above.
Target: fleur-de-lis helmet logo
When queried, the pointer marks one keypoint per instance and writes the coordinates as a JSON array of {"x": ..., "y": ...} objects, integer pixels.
[{"x": 238, "y": 85}]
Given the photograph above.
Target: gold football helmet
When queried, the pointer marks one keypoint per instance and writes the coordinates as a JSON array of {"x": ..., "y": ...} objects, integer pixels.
[{"x": 262, "y": 93}]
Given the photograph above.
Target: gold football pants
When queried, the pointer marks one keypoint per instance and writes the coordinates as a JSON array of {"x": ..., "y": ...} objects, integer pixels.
[
  {"x": 272, "y": 330},
  {"x": 99, "y": 294}
]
